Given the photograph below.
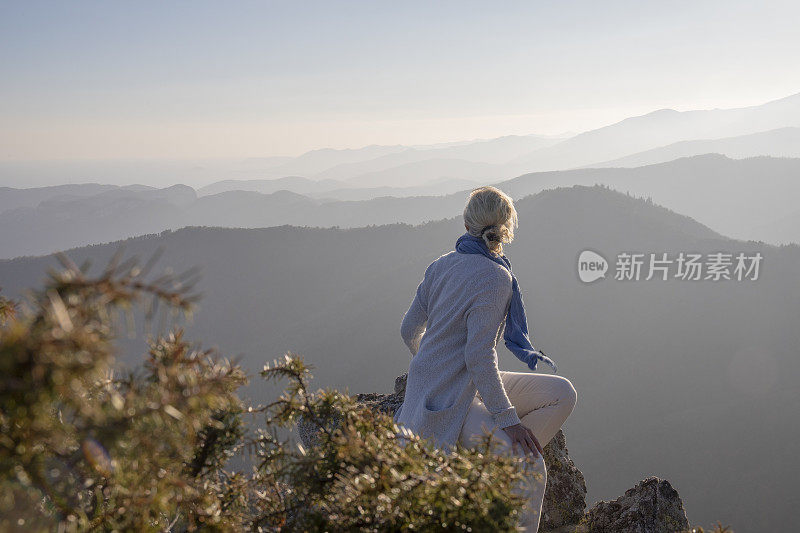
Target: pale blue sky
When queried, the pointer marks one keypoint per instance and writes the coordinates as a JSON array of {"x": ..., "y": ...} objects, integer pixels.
[{"x": 103, "y": 79}]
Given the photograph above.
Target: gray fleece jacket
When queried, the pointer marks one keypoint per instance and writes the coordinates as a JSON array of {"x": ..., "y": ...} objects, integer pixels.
[{"x": 452, "y": 328}]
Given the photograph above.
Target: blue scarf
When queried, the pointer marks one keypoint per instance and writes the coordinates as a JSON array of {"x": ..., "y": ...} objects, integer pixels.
[{"x": 516, "y": 331}]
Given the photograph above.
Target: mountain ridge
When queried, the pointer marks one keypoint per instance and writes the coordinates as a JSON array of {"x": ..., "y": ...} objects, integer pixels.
[
  {"x": 787, "y": 140},
  {"x": 764, "y": 187}
]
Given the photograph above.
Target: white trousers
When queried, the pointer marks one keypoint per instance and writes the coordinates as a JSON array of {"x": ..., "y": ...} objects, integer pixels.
[{"x": 543, "y": 402}]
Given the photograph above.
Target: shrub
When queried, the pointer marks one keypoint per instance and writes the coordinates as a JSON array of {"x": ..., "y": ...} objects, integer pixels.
[{"x": 83, "y": 448}]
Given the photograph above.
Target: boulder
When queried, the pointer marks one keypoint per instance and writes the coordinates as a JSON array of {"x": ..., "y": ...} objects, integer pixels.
[
  {"x": 565, "y": 493},
  {"x": 651, "y": 506}
]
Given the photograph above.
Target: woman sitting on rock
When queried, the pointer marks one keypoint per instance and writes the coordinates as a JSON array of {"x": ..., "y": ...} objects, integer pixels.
[{"x": 452, "y": 328}]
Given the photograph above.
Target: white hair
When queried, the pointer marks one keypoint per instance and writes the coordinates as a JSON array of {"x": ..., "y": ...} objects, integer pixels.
[{"x": 490, "y": 214}]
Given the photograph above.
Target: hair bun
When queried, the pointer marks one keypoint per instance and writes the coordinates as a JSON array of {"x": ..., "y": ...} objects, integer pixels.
[{"x": 491, "y": 234}]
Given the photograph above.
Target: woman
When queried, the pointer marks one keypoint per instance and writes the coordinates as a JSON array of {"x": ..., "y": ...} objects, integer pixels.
[{"x": 452, "y": 328}]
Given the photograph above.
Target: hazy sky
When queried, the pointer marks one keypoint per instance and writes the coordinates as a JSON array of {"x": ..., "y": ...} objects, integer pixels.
[{"x": 100, "y": 79}]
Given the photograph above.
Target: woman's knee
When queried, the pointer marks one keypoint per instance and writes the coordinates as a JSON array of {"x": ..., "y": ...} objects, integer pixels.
[{"x": 567, "y": 395}]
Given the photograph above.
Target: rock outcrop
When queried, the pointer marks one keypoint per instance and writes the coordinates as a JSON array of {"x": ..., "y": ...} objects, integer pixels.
[{"x": 651, "y": 506}]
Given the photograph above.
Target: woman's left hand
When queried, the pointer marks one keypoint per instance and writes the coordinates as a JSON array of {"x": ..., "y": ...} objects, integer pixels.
[{"x": 522, "y": 436}]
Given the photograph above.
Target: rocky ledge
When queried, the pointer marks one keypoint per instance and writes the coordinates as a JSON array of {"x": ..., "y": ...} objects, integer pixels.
[{"x": 651, "y": 506}]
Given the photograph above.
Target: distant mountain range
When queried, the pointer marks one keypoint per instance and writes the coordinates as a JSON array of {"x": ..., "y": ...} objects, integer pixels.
[
  {"x": 693, "y": 380},
  {"x": 339, "y": 165},
  {"x": 11, "y": 198},
  {"x": 328, "y": 189},
  {"x": 752, "y": 198},
  {"x": 736, "y": 197},
  {"x": 646, "y": 139},
  {"x": 655, "y": 133},
  {"x": 661, "y": 128},
  {"x": 769, "y": 129},
  {"x": 296, "y": 184},
  {"x": 782, "y": 142}
]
